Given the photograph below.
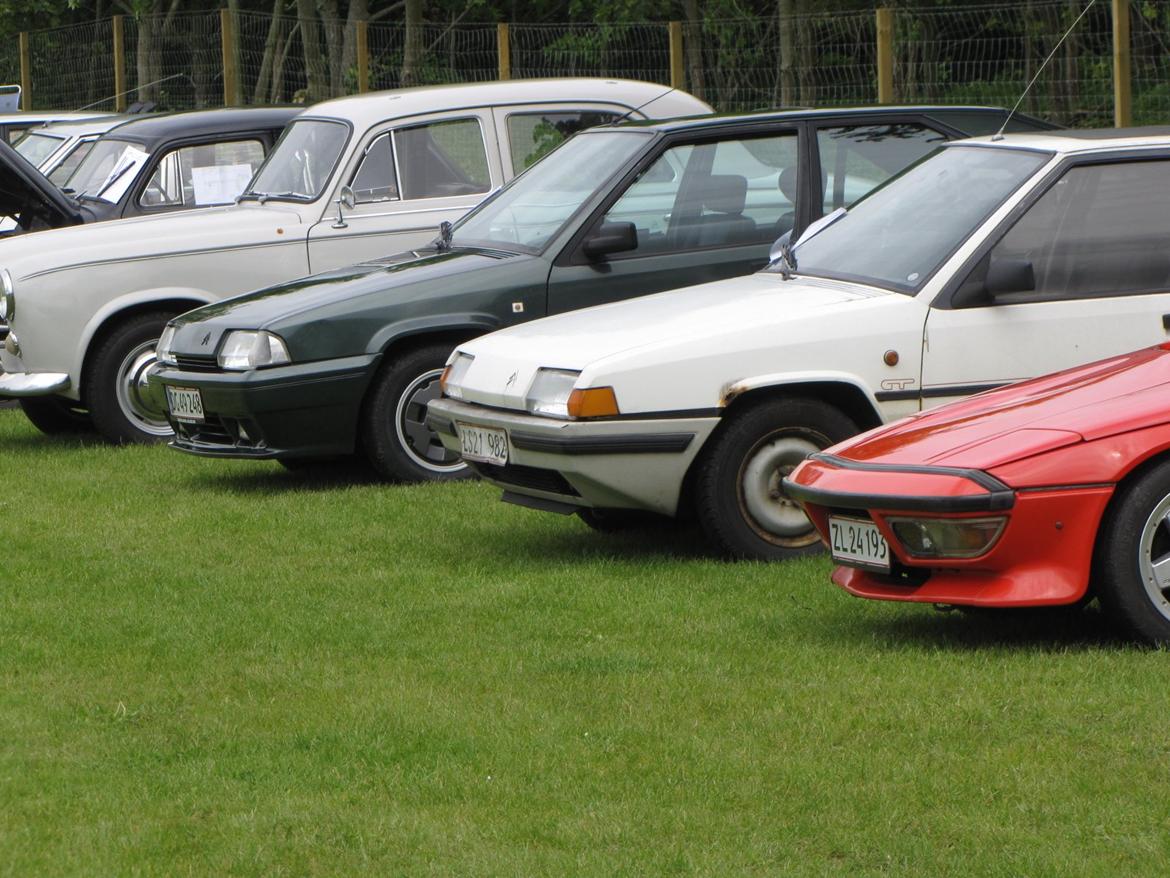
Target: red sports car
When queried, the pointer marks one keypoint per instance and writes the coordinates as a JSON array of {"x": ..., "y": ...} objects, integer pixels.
[{"x": 1046, "y": 492}]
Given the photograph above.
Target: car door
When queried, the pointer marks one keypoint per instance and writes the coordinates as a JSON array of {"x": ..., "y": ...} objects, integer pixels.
[
  {"x": 406, "y": 180},
  {"x": 701, "y": 209},
  {"x": 1082, "y": 273}
]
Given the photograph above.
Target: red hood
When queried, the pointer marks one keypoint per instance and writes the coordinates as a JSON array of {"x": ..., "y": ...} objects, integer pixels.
[{"x": 1090, "y": 402}]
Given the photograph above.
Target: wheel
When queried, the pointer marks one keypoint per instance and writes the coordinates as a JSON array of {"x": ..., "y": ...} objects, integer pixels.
[
  {"x": 738, "y": 497},
  {"x": 55, "y": 414},
  {"x": 617, "y": 520},
  {"x": 114, "y": 384},
  {"x": 1131, "y": 570},
  {"x": 395, "y": 436}
]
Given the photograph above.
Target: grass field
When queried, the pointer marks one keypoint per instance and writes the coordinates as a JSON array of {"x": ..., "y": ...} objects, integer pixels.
[{"x": 219, "y": 668}]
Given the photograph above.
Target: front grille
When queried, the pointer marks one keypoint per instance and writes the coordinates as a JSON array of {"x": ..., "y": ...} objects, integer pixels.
[
  {"x": 216, "y": 430},
  {"x": 193, "y": 363},
  {"x": 532, "y": 477}
]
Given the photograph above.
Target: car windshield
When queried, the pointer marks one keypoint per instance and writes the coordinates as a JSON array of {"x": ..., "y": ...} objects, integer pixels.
[
  {"x": 527, "y": 213},
  {"x": 302, "y": 161},
  {"x": 901, "y": 233},
  {"x": 108, "y": 171},
  {"x": 36, "y": 146}
]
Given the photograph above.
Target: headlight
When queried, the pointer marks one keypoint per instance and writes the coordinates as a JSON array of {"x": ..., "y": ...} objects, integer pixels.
[
  {"x": 252, "y": 349},
  {"x": 163, "y": 351},
  {"x": 947, "y": 537},
  {"x": 7, "y": 296},
  {"x": 549, "y": 392},
  {"x": 452, "y": 381}
]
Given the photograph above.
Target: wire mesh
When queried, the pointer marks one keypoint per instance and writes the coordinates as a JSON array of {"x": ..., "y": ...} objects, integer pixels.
[
  {"x": 175, "y": 61},
  {"x": 71, "y": 67},
  {"x": 1150, "y": 59},
  {"x": 445, "y": 53},
  {"x": 988, "y": 54},
  {"x": 625, "y": 51},
  {"x": 271, "y": 59}
]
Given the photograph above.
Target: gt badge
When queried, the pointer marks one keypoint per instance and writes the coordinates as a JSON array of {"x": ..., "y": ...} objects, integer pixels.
[{"x": 511, "y": 380}]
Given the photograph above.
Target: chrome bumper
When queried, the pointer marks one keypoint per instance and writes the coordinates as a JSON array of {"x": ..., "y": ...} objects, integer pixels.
[
  {"x": 16, "y": 384},
  {"x": 628, "y": 464}
]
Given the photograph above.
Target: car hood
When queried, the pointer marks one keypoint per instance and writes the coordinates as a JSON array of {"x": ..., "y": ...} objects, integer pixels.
[
  {"x": 686, "y": 348},
  {"x": 339, "y": 301},
  {"x": 22, "y": 185},
  {"x": 151, "y": 237},
  {"x": 1090, "y": 402}
]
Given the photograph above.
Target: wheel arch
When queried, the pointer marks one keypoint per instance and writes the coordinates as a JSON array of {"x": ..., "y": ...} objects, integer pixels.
[{"x": 178, "y": 299}]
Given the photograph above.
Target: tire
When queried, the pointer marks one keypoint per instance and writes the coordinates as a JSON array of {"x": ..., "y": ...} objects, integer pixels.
[
  {"x": 611, "y": 521},
  {"x": 737, "y": 488},
  {"x": 54, "y": 415},
  {"x": 396, "y": 440},
  {"x": 115, "y": 379},
  {"x": 1134, "y": 538}
]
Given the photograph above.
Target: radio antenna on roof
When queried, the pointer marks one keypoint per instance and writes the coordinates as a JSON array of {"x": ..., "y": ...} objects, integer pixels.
[
  {"x": 127, "y": 91},
  {"x": 999, "y": 134},
  {"x": 638, "y": 108}
]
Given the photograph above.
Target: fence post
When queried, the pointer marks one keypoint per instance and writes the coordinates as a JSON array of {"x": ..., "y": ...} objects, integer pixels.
[
  {"x": 363, "y": 56},
  {"x": 119, "y": 65},
  {"x": 677, "y": 72},
  {"x": 1122, "y": 83},
  {"x": 885, "y": 55},
  {"x": 504, "y": 50},
  {"x": 25, "y": 74},
  {"x": 227, "y": 37}
]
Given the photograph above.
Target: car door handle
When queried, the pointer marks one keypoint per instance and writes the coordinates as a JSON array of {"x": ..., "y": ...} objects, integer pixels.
[{"x": 1166, "y": 321}]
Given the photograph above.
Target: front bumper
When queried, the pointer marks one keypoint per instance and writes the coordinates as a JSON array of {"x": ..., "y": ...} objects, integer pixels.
[
  {"x": 563, "y": 466},
  {"x": 18, "y": 384},
  {"x": 1042, "y": 557},
  {"x": 301, "y": 410}
]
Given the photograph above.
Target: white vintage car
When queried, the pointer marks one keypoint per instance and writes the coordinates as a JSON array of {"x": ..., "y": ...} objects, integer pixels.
[
  {"x": 351, "y": 179},
  {"x": 992, "y": 261}
]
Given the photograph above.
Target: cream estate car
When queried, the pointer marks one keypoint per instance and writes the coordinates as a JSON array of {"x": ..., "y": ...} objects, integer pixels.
[
  {"x": 991, "y": 261},
  {"x": 350, "y": 179}
]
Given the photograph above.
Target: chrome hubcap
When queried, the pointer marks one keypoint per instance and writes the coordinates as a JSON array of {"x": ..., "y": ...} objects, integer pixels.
[
  {"x": 772, "y": 513},
  {"x": 1154, "y": 557},
  {"x": 416, "y": 439},
  {"x": 133, "y": 373}
]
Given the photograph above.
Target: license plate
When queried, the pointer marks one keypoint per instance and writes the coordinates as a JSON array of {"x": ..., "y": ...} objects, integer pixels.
[
  {"x": 483, "y": 444},
  {"x": 185, "y": 403},
  {"x": 858, "y": 543}
]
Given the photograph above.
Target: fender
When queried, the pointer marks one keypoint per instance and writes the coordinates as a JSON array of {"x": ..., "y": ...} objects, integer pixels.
[
  {"x": 195, "y": 296},
  {"x": 475, "y": 323},
  {"x": 735, "y": 389}
]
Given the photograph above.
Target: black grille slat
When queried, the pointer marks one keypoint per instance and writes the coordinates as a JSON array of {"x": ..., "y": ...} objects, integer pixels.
[
  {"x": 196, "y": 364},
  {"x": 532, "y": 477}
]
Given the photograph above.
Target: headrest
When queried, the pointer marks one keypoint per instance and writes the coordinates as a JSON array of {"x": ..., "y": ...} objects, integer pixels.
[
  {"x": 725, "y": 193},
  {"x": 787, "y": 183}
]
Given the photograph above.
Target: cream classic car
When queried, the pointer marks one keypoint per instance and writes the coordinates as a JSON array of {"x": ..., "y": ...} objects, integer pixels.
[{"x": 350, "y": 179}]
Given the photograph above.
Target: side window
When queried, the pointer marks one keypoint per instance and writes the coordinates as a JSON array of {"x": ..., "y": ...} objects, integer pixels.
[
  {"x": 375, "y": 179},
  {"x": 195, "y": 176},
  {"x": 531, "y": 136},
  {"x": 1099, "y": 230},
  {"x": 441, "y": 159},
  {"x": 858, "y": 158},
  {"x": 69, "y": 164},
  {"x": 727, "y": 193}
]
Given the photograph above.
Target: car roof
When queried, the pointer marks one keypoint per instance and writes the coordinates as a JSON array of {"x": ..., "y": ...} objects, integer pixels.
[
  {"x": 364, "y": 110},
  {"x": 96, "y": 125},
  {"x": 1073, "y": 140},
  {"x": 937, "y": 111},
  {"x": 34, "y": 117},
  {"x": 152, "y": 130}
]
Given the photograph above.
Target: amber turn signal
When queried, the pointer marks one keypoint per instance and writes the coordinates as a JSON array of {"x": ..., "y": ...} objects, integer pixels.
[
  {"x": 592, "y": 402},
  {"x": 443, "y": 380}
]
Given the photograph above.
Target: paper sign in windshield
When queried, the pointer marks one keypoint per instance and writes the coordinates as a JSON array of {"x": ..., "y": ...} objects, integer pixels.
[
  {"x": 220, "y": 184},
  {"x": 122, "y": 174}
]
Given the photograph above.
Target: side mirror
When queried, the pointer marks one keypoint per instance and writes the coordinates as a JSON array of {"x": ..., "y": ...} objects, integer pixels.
[
  {"x": 778, "y": 246},
  {"x": 993, "y": 279},
  {"x": 611, "y": 238},
  {"x": 346, "y": 199}
]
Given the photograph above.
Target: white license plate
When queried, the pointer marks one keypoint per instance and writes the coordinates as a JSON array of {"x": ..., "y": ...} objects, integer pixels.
[
  {"x": 483, "y": 444},
  {"x": 185, "y": 403},
  {"x": 859, "y": 543}
]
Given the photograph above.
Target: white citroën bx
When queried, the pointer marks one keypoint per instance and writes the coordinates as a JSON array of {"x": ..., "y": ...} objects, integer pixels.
[
  {"x": 351, "y": 179},
  {"x": 994, "y": 260}
]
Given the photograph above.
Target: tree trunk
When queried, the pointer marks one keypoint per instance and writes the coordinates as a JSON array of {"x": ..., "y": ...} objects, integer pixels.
[
  {"x": 264, "y": 77},
  {"x": 1029, "y": 57},
  {"x": 316, "y": 82},
  {"x": 692, "y": 40},
  {"x": 145, "y": 56},
  {"x": 786, "y": 11},
  {"x": 412, "y": 49},
  {"x": 331, "y": 20},
  {"x": 277, "y": 95},
  {"x": 359, "y": 10}
]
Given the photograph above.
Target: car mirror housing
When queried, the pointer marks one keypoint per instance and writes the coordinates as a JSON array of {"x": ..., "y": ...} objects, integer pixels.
[
  {"x": 1009, "y": 276},
  {"x": 611, "y": 238}
]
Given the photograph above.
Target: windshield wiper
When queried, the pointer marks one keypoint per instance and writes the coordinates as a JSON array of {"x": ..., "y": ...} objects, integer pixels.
[
  {"x": 443, "y": 242},
  {"x": 114, "y": 179}
]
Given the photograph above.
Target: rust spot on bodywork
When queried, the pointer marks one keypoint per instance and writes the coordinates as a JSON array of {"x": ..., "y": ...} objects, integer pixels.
[{"x": 730, "y": 391}]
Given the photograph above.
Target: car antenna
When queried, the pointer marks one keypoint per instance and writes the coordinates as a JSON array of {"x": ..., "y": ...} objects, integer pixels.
[
  {"x": 999, "y": 134},
  {"x": 127, "y": 91},
  {"x": 638, "y": 108}
]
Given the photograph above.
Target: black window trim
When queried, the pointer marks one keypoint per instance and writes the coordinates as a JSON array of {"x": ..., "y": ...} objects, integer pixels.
[
  {"x": 388, "y": 133},
  {"x": 483, "y": 139},
  {"x": 139, "y": 188},
  {"x": 944, "y": 301}
]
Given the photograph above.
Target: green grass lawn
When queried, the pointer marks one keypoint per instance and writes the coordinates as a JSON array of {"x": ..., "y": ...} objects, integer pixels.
[{"x": 220, "y": 668}]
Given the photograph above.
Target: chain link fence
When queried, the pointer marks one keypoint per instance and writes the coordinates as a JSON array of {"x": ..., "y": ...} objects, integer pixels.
[{"x": 982, "y": 54}]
